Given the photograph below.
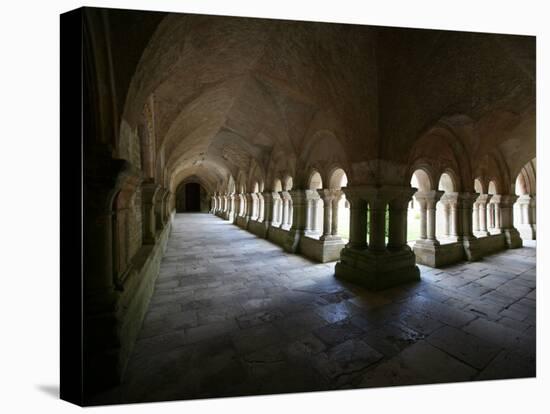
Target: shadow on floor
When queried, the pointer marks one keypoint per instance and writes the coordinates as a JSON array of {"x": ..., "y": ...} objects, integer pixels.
[{"x": 51, "y": 389}]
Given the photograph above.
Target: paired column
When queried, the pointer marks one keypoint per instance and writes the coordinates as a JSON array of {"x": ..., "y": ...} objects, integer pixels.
[
  {"x": 427, "y": 201},
  {"x": 480, "y": 205},
  {"x": 287, "y": 210},
  {"x": 335, "y": 207},
  {"x": 327, "y": 196},
  {"x": 527, "y": 217}
]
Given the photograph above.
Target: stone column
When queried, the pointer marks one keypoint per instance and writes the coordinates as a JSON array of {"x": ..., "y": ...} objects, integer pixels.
[
  {"x": 297, "y": 229},
  {"x": 398, "y": 211},
  {"x": 149, "y": 191},
  {"x": 249, "y": 207},
  {"x": 261, "y": 207},
  {"x": 481, "y": 202},
  {"x": 254, "y": 206},
  {"x": 285, "y": 221},
  {"x": 427, "y": 201},
  {"x": 231, "y": 212},
  {"x": 465, "y": 212},
  {"x": 377, "y": 224},
  {"x": 357, "y": 222},
  {"x": 275, "y": 215},
  {"x": 527, "y": 228},
  {"x": 327, "y": 196},
  {"x": 495, "y": 214},
  {"x": 513, "y": 239},
  {"x": 376, "y": 267},
  {"x": 423, "y": 218},
  {"x": 269, "y": 204},
  {"x": 451, "y": 216},
  {"x": 471, "y": 246},
  {"x": 476, "y": 210},
  {"x": 335, "y": 204}
]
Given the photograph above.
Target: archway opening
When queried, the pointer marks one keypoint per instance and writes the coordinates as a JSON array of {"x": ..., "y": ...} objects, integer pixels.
[
  {"x": 191, "y": 197},
  {"x": 525, "y": 206},
  {"x": 421, "y": 181},
  {"x": 446, "y": 230},
  {"x": 337, "y": 181},
  {"x": 315, "y": 206}
]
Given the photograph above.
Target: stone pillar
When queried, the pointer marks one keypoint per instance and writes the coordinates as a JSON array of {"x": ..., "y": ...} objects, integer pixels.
[
  {"x": 231, "y": 212},
  {"x": 269, "y": 205},
  {"x": 248, "y": 207},
  {"x": 527, "y": 226},
  {"x": 377, "y": 267},
  {"x": 450, "y": 216},
  {"x": 275, "y": 214},
  {"x": 254, "y": 206},
  {"x": 335, "y": 208},
  {"x": 481, "y": 203},
  {"x": 328, "y": 197},
  {"x": 285, "y": 220},
  {"x": 476, "y": 210},
  {"x": 261, "y": 207},
  {"x": 358, "y": 221},
  {"x": 104, "y": 178},
  {"x": 513, "y": 239},
  {"x": 377, "y": 224},
  {"x": 423, "y": 218},
  {"x": 471, "y": 246},
  {"x": 299, "y": 217},
  {"x": 159, "y": 209},
  {"x": 397, "y": 232},
  {"x": 427, "y": 201},
  {"x": 149, "y": 192},
  {"x": 495, "y": 214}
]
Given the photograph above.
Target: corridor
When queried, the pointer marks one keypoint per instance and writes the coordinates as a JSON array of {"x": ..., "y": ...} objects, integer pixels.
[{"x": 233, "y": 314}]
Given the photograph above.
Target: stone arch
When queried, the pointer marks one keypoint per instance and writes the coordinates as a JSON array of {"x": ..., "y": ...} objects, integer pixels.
[
  {"x": 315, "y": 181},
  {"x": 337, "y": 177}
]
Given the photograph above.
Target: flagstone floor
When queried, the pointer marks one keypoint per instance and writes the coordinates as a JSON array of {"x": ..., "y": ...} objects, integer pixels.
[{"x": 233, "y": 314}]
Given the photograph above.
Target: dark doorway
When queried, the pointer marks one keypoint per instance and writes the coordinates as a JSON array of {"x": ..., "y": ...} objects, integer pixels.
[{"x": 192, "y": 197}]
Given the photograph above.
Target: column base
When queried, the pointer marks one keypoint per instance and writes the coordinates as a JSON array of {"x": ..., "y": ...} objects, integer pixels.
[
  {"x": 292, "y": 241},
  {"x": 321, "y": 250},
  {"x": 435, "y": 255},
  {"x": 377, "y": 270},
  {"x": 481, "y": 233},
  {"x": 513, "y": 239},
  {"x": 472, "y": 249}
]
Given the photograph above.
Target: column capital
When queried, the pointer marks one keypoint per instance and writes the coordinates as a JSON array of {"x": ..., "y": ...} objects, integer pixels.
[
  {"x": 467, "y": 199},
  {"x": 326, "y": 194},
  {"x": 484, "y": 198},
  {"x": 433, "y": 196}
]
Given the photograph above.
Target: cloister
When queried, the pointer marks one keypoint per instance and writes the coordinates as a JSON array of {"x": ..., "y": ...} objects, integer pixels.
[{"x": 384, "y": 164}]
